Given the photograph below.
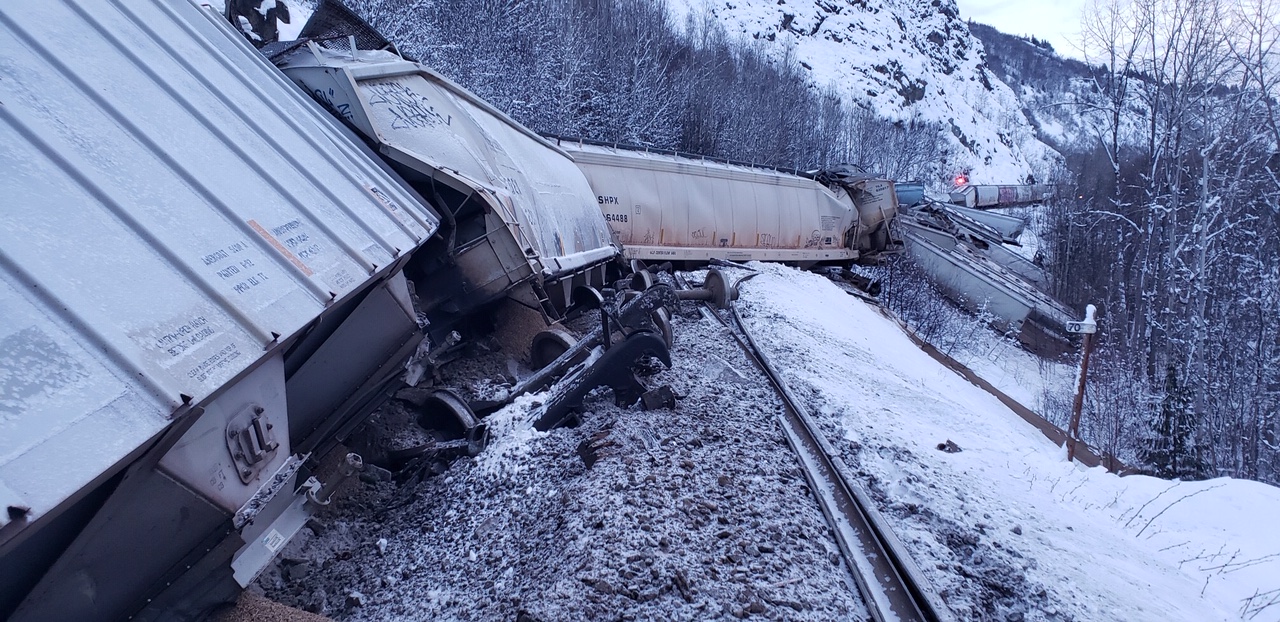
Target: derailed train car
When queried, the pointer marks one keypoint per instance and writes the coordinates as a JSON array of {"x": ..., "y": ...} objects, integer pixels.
[
  {"x": 987, "y": 196},
  {"x": 204, "y": 280},
  {"x": 187, "y": 246},
  {"x": 520, "y": 218},
  {"x": 665, "y": 206},
  {"x": 987, "y": 278},
  {"x": 968, "y": 260}
]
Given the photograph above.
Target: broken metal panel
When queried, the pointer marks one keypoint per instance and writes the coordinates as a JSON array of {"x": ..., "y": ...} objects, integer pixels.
[{"x": 1009, "y": 227}]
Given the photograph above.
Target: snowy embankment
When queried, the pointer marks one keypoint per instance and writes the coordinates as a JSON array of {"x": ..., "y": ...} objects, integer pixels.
[{"x": 1006, "y": 528}]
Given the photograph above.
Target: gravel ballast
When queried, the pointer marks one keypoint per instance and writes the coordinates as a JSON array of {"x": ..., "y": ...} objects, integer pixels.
[{"x": 693, "y": 514}]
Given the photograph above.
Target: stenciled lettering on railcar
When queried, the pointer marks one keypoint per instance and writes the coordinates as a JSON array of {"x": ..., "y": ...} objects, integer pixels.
[
  {"x": 408, "y": 108},
  {"x": 606, "y": 200},
  {"x": 615, "y": 217},
  {"x": 511, "y": 184},
  {"x": 178, "y": 339},
  {"x": 340, "y": 279},
  {"x": 239, "y": 272},
  {"x": 214, "y": 362},
  {"x": 294, "y": 236},
  {"x": 829, "y": 223}
]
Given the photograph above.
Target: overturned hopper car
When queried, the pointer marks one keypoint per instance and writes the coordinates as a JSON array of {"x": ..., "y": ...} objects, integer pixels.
[
  {"x": 206, "y": 281},
  {"x": 665, "y": 206},
  {"x": 970, "y": 265},
  {"x": 520, "y": 220},
  {"x": 986, "y": 197}
]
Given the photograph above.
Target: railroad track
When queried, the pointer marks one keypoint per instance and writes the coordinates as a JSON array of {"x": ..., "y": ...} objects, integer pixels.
[{"x": 891, "y": 585}]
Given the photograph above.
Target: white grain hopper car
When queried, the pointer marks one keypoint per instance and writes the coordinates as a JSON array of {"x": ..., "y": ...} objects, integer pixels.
[
  {"x": 520, "y": 218},
  {"x": 668, "y": 207},
  {"x": 205, "y": 279}
]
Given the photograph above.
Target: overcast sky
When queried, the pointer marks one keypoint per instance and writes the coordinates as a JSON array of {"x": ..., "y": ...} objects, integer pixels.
[{"x": 1058, "y": 21}]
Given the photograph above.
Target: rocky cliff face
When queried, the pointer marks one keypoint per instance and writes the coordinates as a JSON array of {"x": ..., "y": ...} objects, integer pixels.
[{"x": 904, "y": 59}]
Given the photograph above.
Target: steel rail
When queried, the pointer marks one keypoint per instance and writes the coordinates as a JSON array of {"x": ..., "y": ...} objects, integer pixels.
[{"x": 890, "y": 583}]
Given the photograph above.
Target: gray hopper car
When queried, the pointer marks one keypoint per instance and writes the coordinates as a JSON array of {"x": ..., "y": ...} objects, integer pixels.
[
  {"x": 670, "y": 207},
  {"x": 201, "y": 278},
  {"x": 206, "y": 280},
  {"x": 520, "y": 219},
  {"x": 985, "y": 197}
]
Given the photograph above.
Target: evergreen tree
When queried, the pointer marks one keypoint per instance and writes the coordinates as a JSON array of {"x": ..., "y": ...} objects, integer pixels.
[{"x": 1172, "y": 451}]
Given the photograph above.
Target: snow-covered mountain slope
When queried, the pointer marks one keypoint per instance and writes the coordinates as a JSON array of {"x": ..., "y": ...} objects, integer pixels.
[
  {"x": 906, "y": 60},
  {"x": 1061, "y": 96}
]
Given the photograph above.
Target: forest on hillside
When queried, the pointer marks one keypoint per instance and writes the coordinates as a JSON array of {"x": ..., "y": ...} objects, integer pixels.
[
  {"x": 1172, "y": 231},
  {"x": 620, "y": 71},
  {"x": 1174, "y": 228}
]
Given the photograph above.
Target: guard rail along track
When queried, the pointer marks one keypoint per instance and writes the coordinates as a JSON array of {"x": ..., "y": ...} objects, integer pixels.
[{"x": 889, "y": 581}]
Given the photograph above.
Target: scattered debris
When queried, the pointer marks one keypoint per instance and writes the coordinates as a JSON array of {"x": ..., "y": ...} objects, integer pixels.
[
  {"x": 589, "y": 449},
  {"x": 623, "y": 529},
  {"x": 661, "y": 397}
]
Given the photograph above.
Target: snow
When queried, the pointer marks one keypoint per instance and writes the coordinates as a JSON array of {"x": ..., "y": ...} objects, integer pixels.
[
  {"x": 299, "y": 12},
  {"x": 1096, "y": 546}
]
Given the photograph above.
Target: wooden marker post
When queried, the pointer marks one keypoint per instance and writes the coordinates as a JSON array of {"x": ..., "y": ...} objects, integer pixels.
[{"x": 1087, "y": 327}]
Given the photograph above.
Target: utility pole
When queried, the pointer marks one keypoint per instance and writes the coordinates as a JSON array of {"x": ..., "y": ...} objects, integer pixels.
[{"x": 1088, "y": 327}]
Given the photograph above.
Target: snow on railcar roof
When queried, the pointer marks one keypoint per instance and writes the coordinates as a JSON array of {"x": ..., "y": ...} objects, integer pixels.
[
  {"x": 175, "y": 208},
  {"x": 423, "y": 120}
]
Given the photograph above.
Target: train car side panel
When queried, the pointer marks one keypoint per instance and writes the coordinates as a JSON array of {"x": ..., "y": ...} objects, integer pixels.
[{"x": 177, "y": 217}]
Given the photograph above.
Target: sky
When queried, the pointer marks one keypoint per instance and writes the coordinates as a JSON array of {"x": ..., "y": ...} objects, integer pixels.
[{"x": 1058, "y": 21}]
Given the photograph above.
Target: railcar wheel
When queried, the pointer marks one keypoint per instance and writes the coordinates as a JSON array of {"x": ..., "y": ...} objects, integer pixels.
[
  {"x": 447, "y": 414},
  {"x": 585, "y": 298},
  {"x": 548, "y": 345},
  {"x": 718, "y": 285},
  {"x": 641, "y": 281},
  {"x": 662, "y": 320}
]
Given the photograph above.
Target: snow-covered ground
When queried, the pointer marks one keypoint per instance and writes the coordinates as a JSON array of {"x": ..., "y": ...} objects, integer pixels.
[
  {"x": 701, "y": 513},
  {"x": 1082, "y": 544}
]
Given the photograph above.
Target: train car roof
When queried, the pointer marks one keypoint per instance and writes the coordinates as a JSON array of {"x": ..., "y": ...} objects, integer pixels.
[
  {"x": 174, "y": 210},
  {"x": 588, "y": 152},
  {"x": 421, "y": 120}
]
